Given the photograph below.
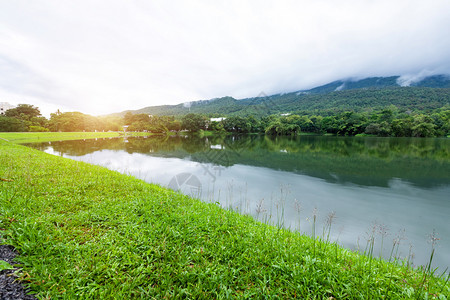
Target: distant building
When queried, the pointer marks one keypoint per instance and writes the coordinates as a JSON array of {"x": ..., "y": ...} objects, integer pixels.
[
  {"x": 217, "y": 119},
  {"x": 4, "y": 106}
]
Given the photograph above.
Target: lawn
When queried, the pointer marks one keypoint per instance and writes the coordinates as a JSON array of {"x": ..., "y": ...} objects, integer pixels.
[{"x": 31, "y": 137}]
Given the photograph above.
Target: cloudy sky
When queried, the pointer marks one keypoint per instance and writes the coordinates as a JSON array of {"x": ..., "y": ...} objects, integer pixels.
[{"x": 104, "y": 56}]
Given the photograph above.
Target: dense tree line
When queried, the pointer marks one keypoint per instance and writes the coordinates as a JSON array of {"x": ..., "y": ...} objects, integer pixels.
[
  {"x": 388, "y": 121},
  {"x": 26, "y": 117},
  {"x": 76, "y": 121},
  {"x": 149, "y": 123}
]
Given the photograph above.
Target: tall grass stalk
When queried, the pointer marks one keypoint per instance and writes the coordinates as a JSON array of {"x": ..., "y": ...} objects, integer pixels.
[
  {"x": 427, "y": 271},
  {"x": 395, "y": 247},
  {"x": 326, "y": 231},
  {"x": 314, "y": 216},
  {"x": 298, "y": 208},
  {"x": 383, "y": 231}
]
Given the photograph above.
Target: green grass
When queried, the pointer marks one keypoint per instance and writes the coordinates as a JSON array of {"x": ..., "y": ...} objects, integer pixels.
[
  {"x": 31, "y": 137},
  {"x": 85, "y": 232}
]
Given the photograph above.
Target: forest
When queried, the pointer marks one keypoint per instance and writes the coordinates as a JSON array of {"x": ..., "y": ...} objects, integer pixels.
[
  {"x": 390, "y": 121},
  {"x": 386, "y": 122}
]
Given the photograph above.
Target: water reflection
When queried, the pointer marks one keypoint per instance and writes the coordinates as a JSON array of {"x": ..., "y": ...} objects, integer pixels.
[
  {"x": 361, "y": 161},
  {"x": 401, "y": 183}
]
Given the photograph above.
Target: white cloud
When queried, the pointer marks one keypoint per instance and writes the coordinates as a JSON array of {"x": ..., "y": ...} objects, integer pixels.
[{"x": 106, "y": 56}]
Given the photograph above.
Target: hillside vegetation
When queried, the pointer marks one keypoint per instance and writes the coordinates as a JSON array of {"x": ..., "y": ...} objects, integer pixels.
[{"x": 359, "y": 100}]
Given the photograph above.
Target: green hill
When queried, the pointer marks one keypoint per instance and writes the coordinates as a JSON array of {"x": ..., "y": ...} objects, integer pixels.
[
  {"x": 362, "y": 95},
  {"x": 405, "y": 98}
]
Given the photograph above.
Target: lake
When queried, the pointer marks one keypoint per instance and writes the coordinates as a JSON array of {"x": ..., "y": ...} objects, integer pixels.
[{"x": 391, "y": 188}]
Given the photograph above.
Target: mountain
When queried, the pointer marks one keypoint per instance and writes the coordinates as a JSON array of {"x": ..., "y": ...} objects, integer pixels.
[
  {"x": 342, "y": 85},
  {"x": 358, "y": 95},
  {"x": 436, "y": 81}
]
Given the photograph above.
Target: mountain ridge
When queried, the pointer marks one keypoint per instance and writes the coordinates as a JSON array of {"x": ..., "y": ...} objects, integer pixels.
[{"x": 428, "y": 93}]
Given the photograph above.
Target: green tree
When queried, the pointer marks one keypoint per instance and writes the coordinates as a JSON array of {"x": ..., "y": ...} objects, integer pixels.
[
  {"x": 23, "y": 112},
  {"x": 38, "y": 129},
  {"x": 278, "y": 127},
  {"x": 139, "y": 126},
  {"x": 255, "y": 124},
  {"x": 28, "y": 115},
  {"x": 330, "y": 124},
  {"x": 275, "y": 128},
  {"x": 76, "y": 121},
  {"x": 316, "y": 123},
  {"x": 216, "y": 126},
  {"x": 423, "y": 126},
  {"x": 128, "y": 118},
  {"x": 193, "y": 122},
  {"x": 174, "y": 125},
  {"x": 8, "y": 124},
  {"x": 402, "y": 127},
  {"x": 237, "y": 124}
]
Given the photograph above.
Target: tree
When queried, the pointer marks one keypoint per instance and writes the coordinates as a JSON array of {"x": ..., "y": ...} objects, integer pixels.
[
  {"x": 139, "y": 126},
  {"x": 282, "y": 128},
  {"x": 330, "y": 124},
  {"x": 237, "y": 124},
  {"x": 402, "y": 127},
  {"x": 316, "y": 123},
  {"x": 216, "y": 126},
  {"x": 128, "y": 118},
  {"x": 174, "y": 125},
  {"x": 275, "y": 128},
  {"x": 23, "y": 112},
  {"x": 255, "y": 125},
  {"x": 387, "y": 114},
  {"x": 423, "y": 130},
  {"x": 372, "y": 128},
  {"x": 423, "y": 126},
  {"x": 193, "y": 122},
  {"x": 28, "y": 115},
  {"x": 38, "y": 129},
  {"x": 76, "y": 121},
  {"x": 8, "y": 124}
]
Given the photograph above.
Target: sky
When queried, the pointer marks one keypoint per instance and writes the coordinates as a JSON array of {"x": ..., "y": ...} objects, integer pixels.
[{"x": 105, "y": 56}]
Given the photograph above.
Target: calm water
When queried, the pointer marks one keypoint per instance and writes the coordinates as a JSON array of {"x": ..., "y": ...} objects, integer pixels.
[{"x": 400, "y": 185}]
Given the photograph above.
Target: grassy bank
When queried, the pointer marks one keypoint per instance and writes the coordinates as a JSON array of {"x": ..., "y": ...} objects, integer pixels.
[
  {"x": 86, "y": 232},
  {"x": 31, "y": 137}
]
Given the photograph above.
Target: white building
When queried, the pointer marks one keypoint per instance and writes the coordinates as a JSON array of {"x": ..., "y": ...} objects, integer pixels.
[
  {"x": 4, "y": 106},
  {"x": 217, "y": 119}
]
